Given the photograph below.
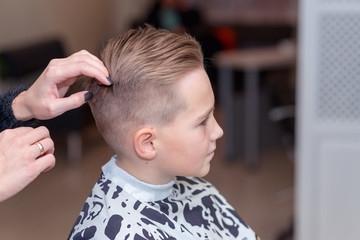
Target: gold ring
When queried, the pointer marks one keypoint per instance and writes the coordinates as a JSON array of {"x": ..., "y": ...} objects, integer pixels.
[{"x": 41, "y": 148}]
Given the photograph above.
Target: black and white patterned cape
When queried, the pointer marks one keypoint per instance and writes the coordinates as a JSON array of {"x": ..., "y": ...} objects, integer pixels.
[{"x": 122, "y": 207}]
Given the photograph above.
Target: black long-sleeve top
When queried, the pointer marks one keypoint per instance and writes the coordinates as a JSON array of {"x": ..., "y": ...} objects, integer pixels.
[{"x": 7, "y": 118}]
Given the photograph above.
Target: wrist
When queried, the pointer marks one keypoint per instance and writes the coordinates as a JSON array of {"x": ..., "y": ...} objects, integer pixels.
[{"x": 20, "y": 110}]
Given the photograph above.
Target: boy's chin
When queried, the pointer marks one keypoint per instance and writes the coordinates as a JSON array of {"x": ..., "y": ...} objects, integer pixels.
[{"x": 204, "y": 172}]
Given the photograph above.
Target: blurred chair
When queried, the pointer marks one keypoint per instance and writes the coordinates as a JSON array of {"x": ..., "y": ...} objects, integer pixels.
[
  {"x": 22, "y": 66},
  {"x": 283, "y": 113}
]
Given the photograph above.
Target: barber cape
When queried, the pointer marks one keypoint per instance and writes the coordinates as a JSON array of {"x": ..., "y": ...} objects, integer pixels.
[{"x": 122, "y": 207}]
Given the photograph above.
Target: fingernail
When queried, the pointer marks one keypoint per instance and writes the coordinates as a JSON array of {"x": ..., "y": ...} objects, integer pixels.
[
  {"x": 88, "y": 96},
  {"x": 110, "y": 81}
]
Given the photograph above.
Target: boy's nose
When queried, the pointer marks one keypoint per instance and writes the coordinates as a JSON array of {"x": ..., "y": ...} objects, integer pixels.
[{"x": 218, "y": 132}]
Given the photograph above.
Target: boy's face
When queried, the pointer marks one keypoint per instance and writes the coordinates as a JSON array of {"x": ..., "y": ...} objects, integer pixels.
[{"x": 187, "y": 145}]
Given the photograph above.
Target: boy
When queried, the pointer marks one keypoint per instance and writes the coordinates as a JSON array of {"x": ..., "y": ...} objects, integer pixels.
[{"x": 158, "y": 118}]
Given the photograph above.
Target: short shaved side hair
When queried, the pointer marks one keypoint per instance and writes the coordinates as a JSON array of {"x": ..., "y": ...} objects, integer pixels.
[{"x": 145, "y": 65}]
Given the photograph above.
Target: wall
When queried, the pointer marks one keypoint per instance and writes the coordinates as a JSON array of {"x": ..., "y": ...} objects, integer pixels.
[
  {"x": 125, "y": 12},
  {"x": 250, "y": 12},
  {"x": 80, "y": 24},
  {"x": 85, "y": 24}
]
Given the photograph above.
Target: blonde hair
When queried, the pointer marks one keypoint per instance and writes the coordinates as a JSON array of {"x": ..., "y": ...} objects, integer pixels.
[{"x": 145, "y": 65}]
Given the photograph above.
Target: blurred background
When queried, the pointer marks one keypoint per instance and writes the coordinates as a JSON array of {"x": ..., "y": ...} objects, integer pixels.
[
  {"x": 260, "y": 189},
  {"x": 252, "y": 56}
]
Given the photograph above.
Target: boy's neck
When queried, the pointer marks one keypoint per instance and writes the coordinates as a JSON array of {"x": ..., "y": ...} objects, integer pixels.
[{"x": 143, "y": 170}]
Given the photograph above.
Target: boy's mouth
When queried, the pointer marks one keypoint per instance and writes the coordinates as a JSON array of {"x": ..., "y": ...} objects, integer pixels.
[{"x": 212, "y": 152}]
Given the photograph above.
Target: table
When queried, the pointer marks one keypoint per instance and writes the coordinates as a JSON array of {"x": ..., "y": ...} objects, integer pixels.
[{"x": 252, "y": 62}]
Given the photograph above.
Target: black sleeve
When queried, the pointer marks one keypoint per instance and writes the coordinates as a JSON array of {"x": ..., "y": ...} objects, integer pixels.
[{"x": 7, "y": 118}]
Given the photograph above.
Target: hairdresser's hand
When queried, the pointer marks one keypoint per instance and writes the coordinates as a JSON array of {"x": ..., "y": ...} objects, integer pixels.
[
  {"x": 45, "y": 98},
  {"x": 20, "y": 158}
]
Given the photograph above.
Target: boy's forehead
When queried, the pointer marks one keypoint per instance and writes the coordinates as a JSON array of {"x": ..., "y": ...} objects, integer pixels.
[
  {"x": 195, "y": 81},
  {"x": 195, "y": 88},
  {"x": 194, "y": 76}
]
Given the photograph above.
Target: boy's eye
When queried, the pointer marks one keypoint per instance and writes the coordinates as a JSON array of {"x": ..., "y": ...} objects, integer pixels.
[{"x": 203, "y": 123}]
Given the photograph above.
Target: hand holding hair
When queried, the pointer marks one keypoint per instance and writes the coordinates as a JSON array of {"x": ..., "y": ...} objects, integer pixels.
[{"x": 45, "y": 98}]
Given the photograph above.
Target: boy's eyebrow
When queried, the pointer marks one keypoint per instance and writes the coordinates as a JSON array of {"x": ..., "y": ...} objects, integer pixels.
[{"x": 206, "y": 114}]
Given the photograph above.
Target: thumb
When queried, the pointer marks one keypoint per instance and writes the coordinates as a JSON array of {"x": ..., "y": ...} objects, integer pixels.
[{"x": 71, "y": 102}]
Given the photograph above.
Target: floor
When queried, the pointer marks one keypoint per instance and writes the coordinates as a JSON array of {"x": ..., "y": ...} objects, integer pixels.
[{"x": 49, "y": 206}]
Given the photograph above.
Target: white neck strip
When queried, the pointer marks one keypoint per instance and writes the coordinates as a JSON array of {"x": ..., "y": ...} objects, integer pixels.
[{"x": 140, "y": 190}]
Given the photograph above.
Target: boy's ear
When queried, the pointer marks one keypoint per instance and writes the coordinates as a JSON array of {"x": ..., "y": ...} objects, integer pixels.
[{"x": 143, "y": 143}]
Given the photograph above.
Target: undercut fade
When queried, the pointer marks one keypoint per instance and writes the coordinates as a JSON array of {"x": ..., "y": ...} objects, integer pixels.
[{"x": 145, "y": 65}]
